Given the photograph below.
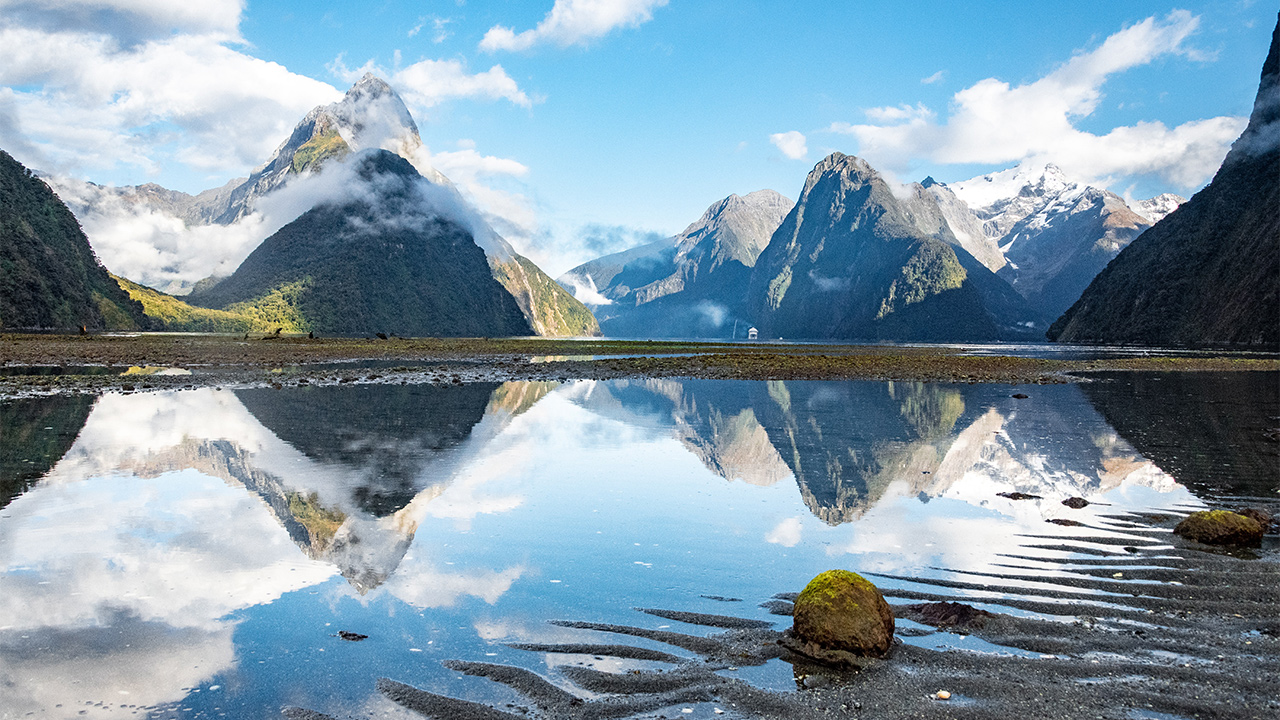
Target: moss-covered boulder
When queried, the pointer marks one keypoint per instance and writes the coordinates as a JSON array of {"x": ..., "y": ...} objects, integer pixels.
[
  {"x": 1221, "y": 527},
  {"x": 842, "y": 612}
]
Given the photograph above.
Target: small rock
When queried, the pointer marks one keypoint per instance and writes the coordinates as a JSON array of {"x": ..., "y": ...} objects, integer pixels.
[
  {"x": 1075, "y": 503},
  {"x": 1019, "y": 496},
  {"x": 947, "y": 614},
  {"x": 1262, "y": 517},
  {"x": 352, "y": 636},
  {"x": 842, "y": 611},
  {"x": 1065, "y": 522},
  {"x": 1020, "y": 396},
  {"x": 1220, "y": 527},
  {"x": 943, "y": 695}
]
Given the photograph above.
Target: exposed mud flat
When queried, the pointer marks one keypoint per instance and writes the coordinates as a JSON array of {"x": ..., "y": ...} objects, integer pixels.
[
  {"x": 48, "y": 364},
  {"x": 1132, "y": 623}
]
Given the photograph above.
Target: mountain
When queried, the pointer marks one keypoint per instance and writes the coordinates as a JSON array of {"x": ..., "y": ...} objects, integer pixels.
[
  {"x": 371, "y": 116},
  {"x": 1054, "y": 234},
  {"x": 964, "y": 224},
  {"x": 854, "y": 261},
  {"x": 171, "y": 314},
  {"x": 1209, "y": 273},
  {"x": 51, "y": 277},
  {"x": 385, "y": 260},
  {"x": 690, "y": 285}
]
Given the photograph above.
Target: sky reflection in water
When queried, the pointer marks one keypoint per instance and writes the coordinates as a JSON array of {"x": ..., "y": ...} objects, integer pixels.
[{"x": 196, "y": 552}]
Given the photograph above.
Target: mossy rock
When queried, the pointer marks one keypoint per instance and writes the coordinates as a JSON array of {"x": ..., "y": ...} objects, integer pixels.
[
  {"x": 842, "y": 612},
  {"x": 1221, "y": 527}
]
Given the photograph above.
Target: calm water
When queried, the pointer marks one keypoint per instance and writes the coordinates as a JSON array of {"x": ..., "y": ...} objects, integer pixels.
[{"x": 195, "y": 553}]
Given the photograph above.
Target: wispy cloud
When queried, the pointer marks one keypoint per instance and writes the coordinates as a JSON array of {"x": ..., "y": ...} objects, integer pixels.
[
  {"x": 994, "y": 122},
  {"x": 792, "y": 143},
  {"x": 573, "y": 22},
  {"x": 933, "y": 78},
  {"x": 427, "y": 83}
]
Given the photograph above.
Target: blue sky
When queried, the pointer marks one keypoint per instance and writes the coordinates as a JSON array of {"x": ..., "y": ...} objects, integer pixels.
[{"x": 617, "y": 118}]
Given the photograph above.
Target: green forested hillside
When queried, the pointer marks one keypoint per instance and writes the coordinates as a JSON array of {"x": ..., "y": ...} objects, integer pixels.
[
  {"x": 49, "y": 276},
  {"x": 378, "y": 264}
]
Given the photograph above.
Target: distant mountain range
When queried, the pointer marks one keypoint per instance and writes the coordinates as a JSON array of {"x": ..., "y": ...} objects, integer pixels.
[
  {"x": 50, "y": 276},
  {"x": 689, "y": 285},
  {"x": 1209, "y": 273},
  {"x": 370, "y": 117},
  {"x": 1055, "y": 234},
  {"x": 993, "y": 258}
]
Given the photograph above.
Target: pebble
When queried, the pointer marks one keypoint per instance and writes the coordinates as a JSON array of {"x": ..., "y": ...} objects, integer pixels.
[{"x": 943, "y": 695}]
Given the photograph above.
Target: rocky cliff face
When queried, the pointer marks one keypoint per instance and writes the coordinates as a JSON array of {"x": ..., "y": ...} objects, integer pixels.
[
  {"x": 1209, "y": 273},
  {"x": 690, "y": 285},
  {"x": 49, "y": 276},
  {"x": 853, "y": 261}
]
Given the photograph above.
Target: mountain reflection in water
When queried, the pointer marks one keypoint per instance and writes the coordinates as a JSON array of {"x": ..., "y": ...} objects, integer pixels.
[{"x": 173, "y": 539}]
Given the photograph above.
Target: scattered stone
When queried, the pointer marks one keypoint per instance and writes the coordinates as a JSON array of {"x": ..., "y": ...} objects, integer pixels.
[
  {"x": 1075, "y": 503},
  {"x": 947, "y": 615},
  {"x": 1220, "y": 527},
  {"x": 1260, "y": 516},
  {"x": 943, "y": 695},
  {"x": 351, "y": 636},
  {"x": 839, "y": 617},
  {"x": 1065, "y": 522},
  {"x": 1019, "y": 496},
  {"x": 1020, "y": 396}
]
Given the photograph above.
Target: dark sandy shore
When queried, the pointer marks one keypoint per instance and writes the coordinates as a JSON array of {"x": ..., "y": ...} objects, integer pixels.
[
  {"x": 94, "y": 363},
  {"x": 1148, "y": 627}
]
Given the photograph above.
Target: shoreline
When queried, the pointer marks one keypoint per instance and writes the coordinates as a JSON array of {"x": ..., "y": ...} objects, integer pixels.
[{"x": 95, "y": 363}]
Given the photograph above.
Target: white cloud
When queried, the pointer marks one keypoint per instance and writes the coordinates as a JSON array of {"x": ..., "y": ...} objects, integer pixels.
[
  {"x": 787, "y": 533},
  {"x": 573, "y": 22},
  {"x": 791, "y": 143},
  {"x": 933, "y": 78},
  {"x": 901, "y": 113},
  {"x": 80, "y": 98},
  {"x": 427, "y": 83},
  {"x": 994, "y": 122},
  {"x": 128, "y": 19}
]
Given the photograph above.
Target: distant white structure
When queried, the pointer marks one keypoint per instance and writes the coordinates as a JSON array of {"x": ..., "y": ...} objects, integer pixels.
[{"x": 752, "y": 334}]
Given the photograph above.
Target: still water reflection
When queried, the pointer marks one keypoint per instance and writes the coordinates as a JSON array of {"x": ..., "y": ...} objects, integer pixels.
[{"x": 195, "y": 553}]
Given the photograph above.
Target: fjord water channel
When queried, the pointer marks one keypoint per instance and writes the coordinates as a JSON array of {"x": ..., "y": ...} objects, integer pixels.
[{"x": 212, "y": 553}]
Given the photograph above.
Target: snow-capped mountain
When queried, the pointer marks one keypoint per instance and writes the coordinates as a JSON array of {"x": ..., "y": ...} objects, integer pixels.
[
  {"x": 1055, "y": 234},
  {"x": 1155, "y": 209}
]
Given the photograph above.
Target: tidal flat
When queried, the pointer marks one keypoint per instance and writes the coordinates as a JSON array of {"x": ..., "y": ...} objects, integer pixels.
[{"x": 351, "y": 528}]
